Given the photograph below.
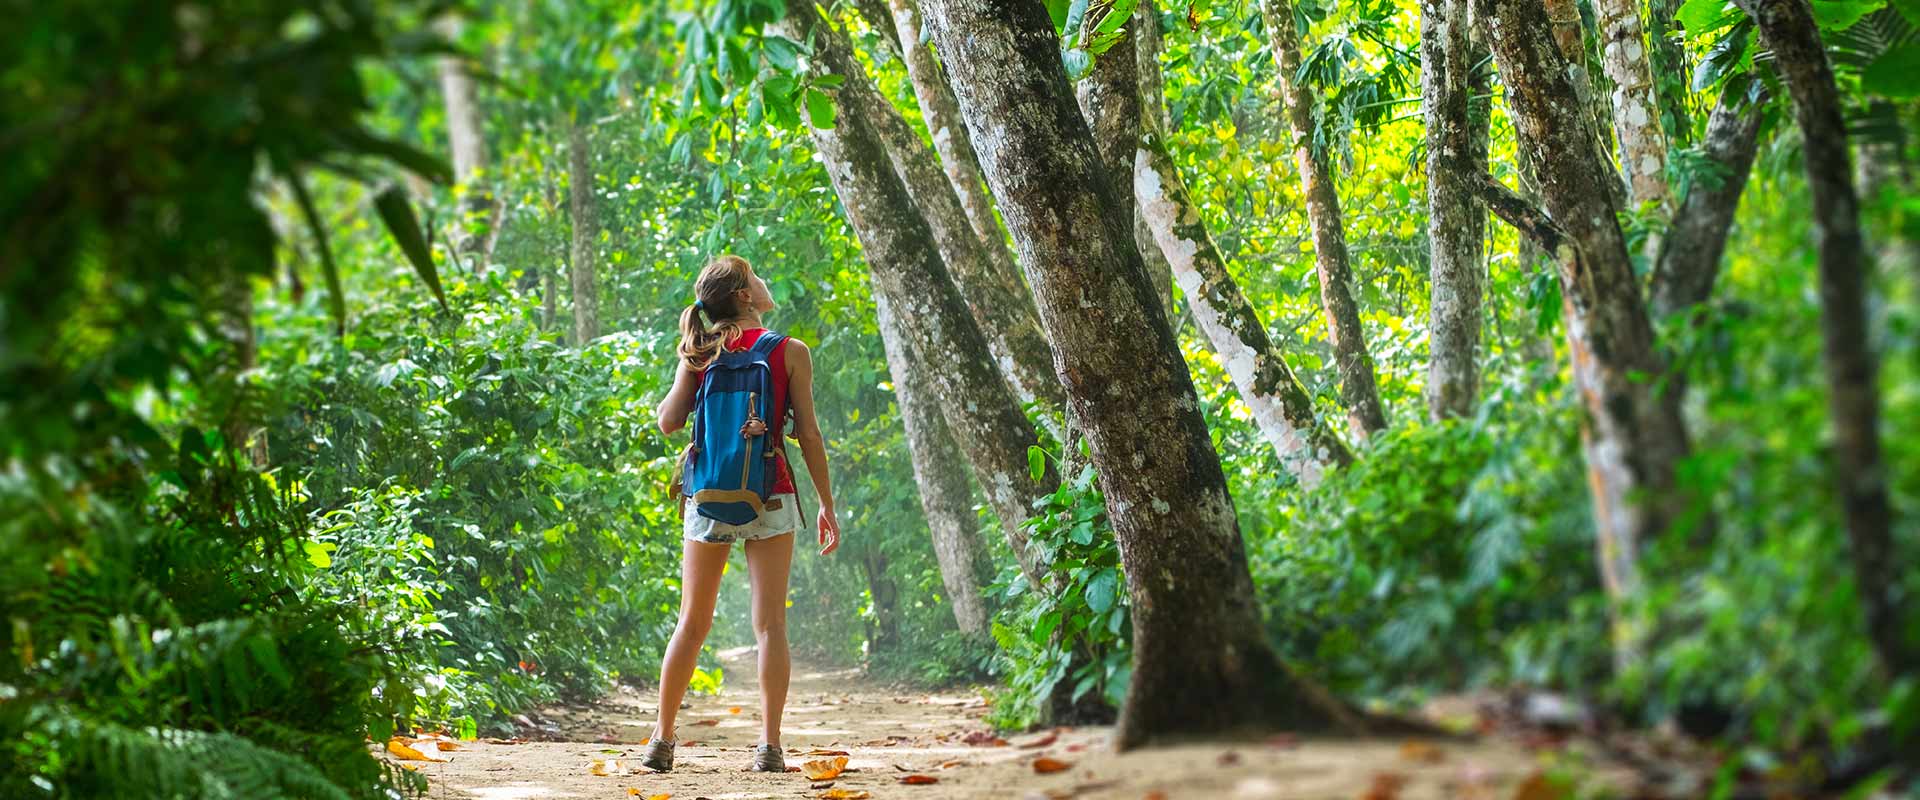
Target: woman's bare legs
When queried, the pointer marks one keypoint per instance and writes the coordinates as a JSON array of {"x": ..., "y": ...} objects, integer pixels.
[
  {"x": 768, "y": 564},
  {"x": 701, "y": 564}
]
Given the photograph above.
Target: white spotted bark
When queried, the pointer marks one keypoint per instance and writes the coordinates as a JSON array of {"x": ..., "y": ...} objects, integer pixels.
[
  {"x": 1636, "y": 109},
  {"x": 1201, "y": 663},
  {"x": 1153, "y": 121},
  {"x": 1358, "y": 390},
  {"x": 1456, "y": 222},
  {"x": 1282, "y": 410},
  {"x": 940, "y": 475}
]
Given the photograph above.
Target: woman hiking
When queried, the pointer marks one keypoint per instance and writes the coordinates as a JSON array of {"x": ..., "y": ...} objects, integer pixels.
[{"x": 730, "y": 297}]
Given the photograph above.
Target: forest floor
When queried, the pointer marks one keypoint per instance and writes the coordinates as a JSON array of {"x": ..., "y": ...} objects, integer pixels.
[{"x": 889, "y": 733}]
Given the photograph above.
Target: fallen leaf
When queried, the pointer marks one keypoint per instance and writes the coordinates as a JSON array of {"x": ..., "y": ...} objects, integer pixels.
[
  {"x": 447, "y": 745},
  {"x": 844, "y": 794},
  {"x": 952, "y": 764},
  {"x": 1538, "y": 787},
  {"x": 733, "y": 710},
  {"x": 599, "y": 768},
  {"x": 819, "y": 752},
  {"x": 1045, "y": 765},
  {"x": 1156, "y": 795},
  {"x": 1229, "y": 758},
  {"x": 983, "y": 739},
  {"x": 1427, "y": 752},
  {"x": 1283, "y": 741},
  {"x": 1043, "y": 741},
  {"x": 632, "y": 792},
  {"x": 825, "y": 769},
  {"x": 917, "y": 779},
  {"x": 705, "y": 723},
  {"x": 402, "y": 749},
  {"x": 1386, "y": 786},
  {"x": 1076, "y": 747},
  {"x": 610, "y": 750}
]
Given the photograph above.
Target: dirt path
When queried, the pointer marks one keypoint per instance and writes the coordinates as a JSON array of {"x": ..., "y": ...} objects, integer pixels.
[{"x": 888, "y": 734}]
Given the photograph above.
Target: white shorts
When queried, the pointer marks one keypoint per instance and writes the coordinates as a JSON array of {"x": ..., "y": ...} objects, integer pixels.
[{"x": 772, "y": 522}]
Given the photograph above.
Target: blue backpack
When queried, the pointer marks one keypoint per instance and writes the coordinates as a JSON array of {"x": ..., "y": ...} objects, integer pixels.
[{"x": 729, "y": 470}]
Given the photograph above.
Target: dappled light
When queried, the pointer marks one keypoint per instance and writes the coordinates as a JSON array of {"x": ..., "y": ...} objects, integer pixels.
[{"x": 661, "y": 399}]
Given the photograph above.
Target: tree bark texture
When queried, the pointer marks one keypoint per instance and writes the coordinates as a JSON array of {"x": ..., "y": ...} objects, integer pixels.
[
  {"x": 883, "y": 633},
  {"x": 1201, "y": 662},
  {"x": 1456, "y": 222},
  {"x": 941, "y": 478},
  {"x": 1282, "y": 410},
  {"x": 581, "y": 205},
  {"x": 1569, "y": 34},
  {"x": 1690, "y": 253},
  {"x": 1153, "y": 120},
  {"x": 1110, "y": 99},
  {"x": 1358, "y": 390},
  {"x": 467, "y": 142},
  {"x": 1853, "y": 394},
  {"x": 1636, "y": 110},
  {"x": 994, "y": 295},
  {"x": 1633, "y": 434},
  {"x": 980, "y": 408}
]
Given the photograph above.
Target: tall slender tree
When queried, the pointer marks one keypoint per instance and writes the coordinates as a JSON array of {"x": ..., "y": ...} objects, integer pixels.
[
  {"x": 1358, "y": 388},
  {"x": 1456, "y": 222},
  {"x": 581, "y": 206},
  {"x": 466, "y": 140},
  {"x": 1636, "y": 108},
  {"x": 1154, "y": 121},
  {"x": 1853, "y": 393},
  {"x": 1201, "y": 662}
]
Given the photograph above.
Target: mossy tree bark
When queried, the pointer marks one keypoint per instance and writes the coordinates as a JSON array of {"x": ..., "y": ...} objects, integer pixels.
[
  {"x": 1202, "y": 665},
  {"x": 581, "y": 206},
  {"x": 1456, "y": 221},
  {"x": 1690, "y": 253}
]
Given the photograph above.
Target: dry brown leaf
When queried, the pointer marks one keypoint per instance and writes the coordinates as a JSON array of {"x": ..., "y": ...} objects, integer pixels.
[
  {"x": 660, "y": 796},
  {"x": 733, "y": 710},
  {"x": 599, "y": 768},
  {"x": 1538, "y": 786},
  {"x": 917, "y": 779},
  {"x": 844, "y": 794},
  {"x": 1050, "y": 738},
  {"x": 403, "y": 749},
  {"x": 448, "y": 745},
  {"x": 1045, "y": 765},
  {"x": 1229, "y": 758},
  {"x": 705, "y": 723},
  {"x": 632, "y": 792},
  {"x": 825, "y": 769},
  {"x": 1156, "y": 795},
  {"x": 1386, "y": 786},
  {"x": 820, "y": 752},
  {"x": 1425, "y": 752}
]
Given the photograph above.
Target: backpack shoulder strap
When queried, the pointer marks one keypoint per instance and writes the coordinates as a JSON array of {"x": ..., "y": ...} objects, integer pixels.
[{"x": 763, "y": 347}]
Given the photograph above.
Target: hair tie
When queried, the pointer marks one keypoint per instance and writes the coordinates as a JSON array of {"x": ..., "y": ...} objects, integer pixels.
[{"x": 700, "y": 304}]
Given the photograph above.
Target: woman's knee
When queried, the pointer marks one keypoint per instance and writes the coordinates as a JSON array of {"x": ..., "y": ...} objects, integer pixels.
[
  {"x": 696, "y": 625},
  {"x": 770, "y": 626}
]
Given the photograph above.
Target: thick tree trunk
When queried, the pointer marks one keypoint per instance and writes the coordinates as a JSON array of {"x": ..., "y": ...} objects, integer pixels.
[
  {"x": 939, "y": 471},
  {"x": 997, "y": 299},
  {"x": 1201, "y": 662},
  {"x": 1358, "y": 390},
  {"x": 1636, "y": 111},
  {"x": 1569, "y": 34},
  {"x": 942, "y": 116},
  {"x": 1456, "y": 222},
  {"x": 1153, "y": 120},
  {"x": 1110, "y": 98},
  {"x": 981, "y": 411},
  {"x": 1689, "y": 260},
  {"x": 1633, "y": 433},
  {"x": 580, "y": 204},
  {"x": 1853, "y": 394},
  {"x": 467, "y": 141},
  {"x": 1281, "y": 408}
]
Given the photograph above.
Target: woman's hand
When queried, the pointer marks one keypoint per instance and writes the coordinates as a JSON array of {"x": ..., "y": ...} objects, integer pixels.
[{"x": 829, "y": 531}]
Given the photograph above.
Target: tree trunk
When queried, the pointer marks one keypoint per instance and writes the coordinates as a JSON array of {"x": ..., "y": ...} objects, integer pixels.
[
  {"x": 1633, "y": 433},
  {"x": 1351, "y": 359},
  {"x": 1153, "y": 120},
  {"x": 1569, "y": 34},
  {"x": 580, "y": 204},
  {"x": 1282, "y": 410},
  {"x": 942, "y": 116},
  {"x": 1636, "y": 111},
  {"x": 1456, "y": 222},
  {"x": 467, "y": 142},
  {"x": 1853, "y": 395},
  {"x": 939, "y": 473},
  {"x": 1689, "y": 260},
  {"x": 995, "y": 296},
  {"x": 1202, "y": 664},
  {"x": 883, "y": 633},
  {"x": 1110, "y": 98},
  {"x": 981, "y": 411}
]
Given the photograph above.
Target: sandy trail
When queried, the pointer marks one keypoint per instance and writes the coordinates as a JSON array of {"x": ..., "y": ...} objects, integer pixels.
[{"x": 890, "y": 733}]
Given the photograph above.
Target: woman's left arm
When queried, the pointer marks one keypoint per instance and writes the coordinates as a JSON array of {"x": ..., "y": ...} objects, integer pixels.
[{"x": 678, "y": 404}]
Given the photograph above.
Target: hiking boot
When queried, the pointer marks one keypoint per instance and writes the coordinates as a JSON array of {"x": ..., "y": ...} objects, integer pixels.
[
  {"x": 768, "y": 758},
  {"x": 659, "y": 755}
]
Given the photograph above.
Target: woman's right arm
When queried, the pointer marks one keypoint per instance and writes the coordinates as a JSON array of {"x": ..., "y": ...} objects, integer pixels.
[
  {"x": 813, "y": 446},
  {"x": 678, "y": 404}
]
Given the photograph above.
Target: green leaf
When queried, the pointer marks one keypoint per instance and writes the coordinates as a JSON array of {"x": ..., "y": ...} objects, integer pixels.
[
  {"x": 819, "y": 109},
  {"x": 1036, "y": 462},
  {"x": 1895, "y": 74},
  {"x": 1102, "y": 591},
  {"x": 1839, "y": 15},
  {"x": 397, "y": 213},
  {"x": 319, "y": 554},
  {"x": 783, "y": 53},
  {"x": 1705, "y": 16},
  {"x": 1116, "y": 17},
  {"x": 336, "y": 296},
  {"x": 426, "y": 165},
  {"x": 1057, "y": 10}
]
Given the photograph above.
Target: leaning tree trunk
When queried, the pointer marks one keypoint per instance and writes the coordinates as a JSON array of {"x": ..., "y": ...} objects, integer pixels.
[
  {"x": 1569, "y": 34},
  {"x": 1202, "y": 664},
  {"x": 1282, "y": 409},
  {"x": 1689, "y": 260},
  {"x": 941, "y": 478},
  {"x": 1456, "y": 222},
  {"x": 905, "y": 262},
  {"x": 1853, "y": 395},
  {"x": 1358, "y": 390},
  {"x": 466, "y": 140},
  {"x": 1109, "y": 96},
  {"x": 997, "y": 299},
  {"x": 1636, "y": 109},
  {"x": 1154, "y": 121},
  {"x": 1633, "y": 433},
  {"x": 580, "y": 204}
]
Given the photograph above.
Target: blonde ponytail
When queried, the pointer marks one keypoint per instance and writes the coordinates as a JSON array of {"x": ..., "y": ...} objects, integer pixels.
[{"x": 714, "y": 292}]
